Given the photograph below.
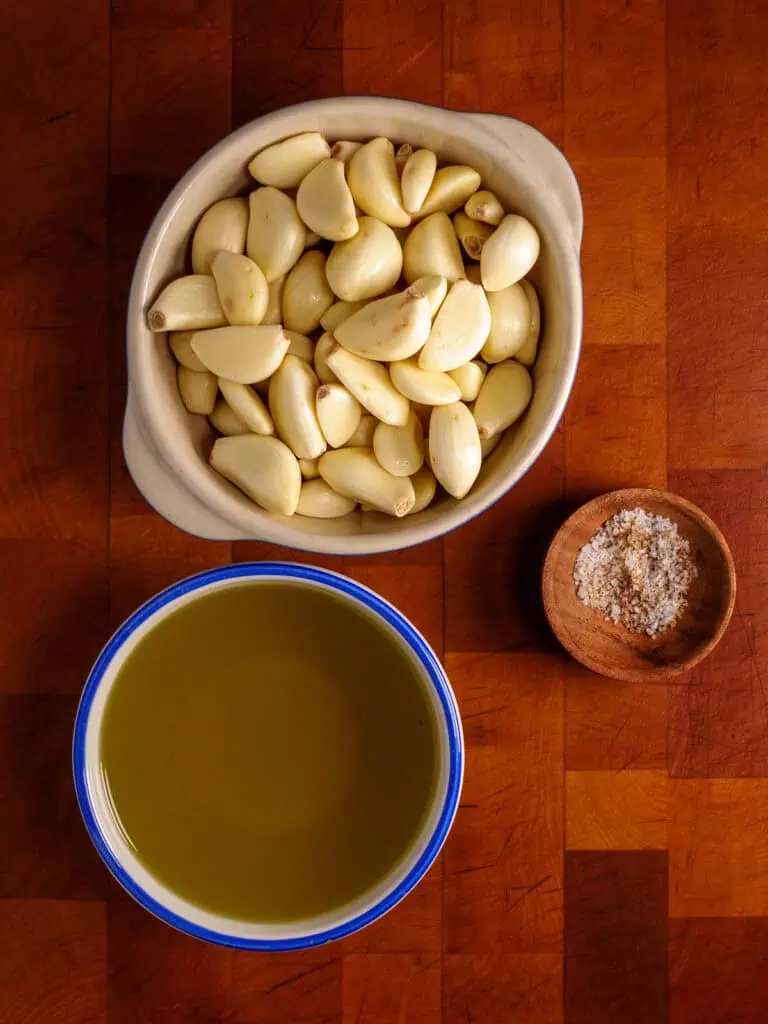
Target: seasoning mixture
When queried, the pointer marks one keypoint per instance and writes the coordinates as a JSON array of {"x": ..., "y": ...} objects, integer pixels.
[{"x": 636, "y": 570}]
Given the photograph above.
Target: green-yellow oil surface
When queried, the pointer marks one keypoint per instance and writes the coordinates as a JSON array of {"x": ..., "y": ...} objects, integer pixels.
[{"x": 270, "y": 751}]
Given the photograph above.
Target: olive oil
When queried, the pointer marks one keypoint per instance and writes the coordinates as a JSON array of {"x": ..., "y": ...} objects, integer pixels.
[{"x": 270, "y": 751}]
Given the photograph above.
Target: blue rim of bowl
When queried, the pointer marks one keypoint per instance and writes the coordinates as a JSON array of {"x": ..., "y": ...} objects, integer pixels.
[{"x": 393, "y": 618}]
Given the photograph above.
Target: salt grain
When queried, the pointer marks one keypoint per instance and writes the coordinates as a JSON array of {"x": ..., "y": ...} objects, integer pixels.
[{"x": 636, "y": 570}]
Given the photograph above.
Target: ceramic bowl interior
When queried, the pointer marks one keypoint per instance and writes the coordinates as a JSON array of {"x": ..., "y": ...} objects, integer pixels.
[
  {"x": 523, "y": 178},
  {"x": 119, "y": 855}
]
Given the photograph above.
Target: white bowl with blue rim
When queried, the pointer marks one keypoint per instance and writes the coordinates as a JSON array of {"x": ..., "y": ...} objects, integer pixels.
[
  {"x": 166, "y": 448},
  {"x": 120, "y": 857}
]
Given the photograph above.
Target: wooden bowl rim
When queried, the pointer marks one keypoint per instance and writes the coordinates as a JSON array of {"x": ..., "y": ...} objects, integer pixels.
[{"x": 631, "y": 497}]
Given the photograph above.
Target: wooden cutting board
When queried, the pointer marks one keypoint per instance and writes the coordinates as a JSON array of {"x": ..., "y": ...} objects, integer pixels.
[{"x": 609, "y": 863}]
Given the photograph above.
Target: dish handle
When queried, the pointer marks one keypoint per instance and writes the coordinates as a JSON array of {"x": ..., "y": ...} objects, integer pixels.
[
  {"x": 548, "y": 160},
  {"x": 161, "y": 489}
]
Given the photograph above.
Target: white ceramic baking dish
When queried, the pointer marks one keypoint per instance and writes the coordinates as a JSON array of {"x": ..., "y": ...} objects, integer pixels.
[{"x": 166, "y": 448}]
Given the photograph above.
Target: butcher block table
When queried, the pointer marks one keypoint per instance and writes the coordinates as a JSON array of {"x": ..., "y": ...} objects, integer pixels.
[{"x": 609, "y": 863}]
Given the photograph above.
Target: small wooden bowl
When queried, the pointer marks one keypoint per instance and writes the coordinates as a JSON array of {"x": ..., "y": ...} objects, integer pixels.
[{"x": 613, "y": 650}]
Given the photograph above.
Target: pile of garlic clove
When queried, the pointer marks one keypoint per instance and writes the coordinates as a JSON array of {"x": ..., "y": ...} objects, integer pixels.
[{"x": 358, "y": 329}]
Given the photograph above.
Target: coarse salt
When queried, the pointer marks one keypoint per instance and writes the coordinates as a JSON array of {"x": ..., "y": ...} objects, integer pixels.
[{"x": 636, "y": 570}]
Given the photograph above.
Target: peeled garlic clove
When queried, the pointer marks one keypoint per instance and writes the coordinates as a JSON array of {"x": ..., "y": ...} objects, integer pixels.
[
  {"x": 319, "y": 501},
  {"x": 292, "y": 404},
  {"x": 424, "y": 487},
  {"x": 306, "y": 294},
  {"x": 433, "y": 287},
  {"x": 284, "y": 164},
  {"x": 276, "y": 234},
  {"x": 472, "y": 234},
  {"x": 432, "y": 248},
  {"x": 242, "y": 288},
  {"x": 402, "y": 155},
  {"x": 180, "y": 343},
  {"x": 370, "y": 384},
  {"x": 487, "y": 445},
  {"x": 325, "y": 345},
  {"x": 509, "y": 253},
  {"x": 526, "y": 354},
  {"x": 325, "y": 203},
  {"x": 400, "y": 450},
  {"x": 338, "y": 313},
  {"x": 423, "y": 386},
  {"x": 263, "y": 467},
  {"x": 366, "y": 265},
  {"x": 355, "y": 473},
  {"x": 392, "y": 328},
  {"x": 222, "y": 228},
  {"x": 247, "y": 405},
  {"x": 418, "y": 175},
  {"x": 226, "y": 421},
  {"x": 338, "y": 413},
  {"x": 454, "y": 448},
  {"x": 302, "y": 346},
  {"x": 242, "y": 354},
  {"x": 363, "y": 436},
  {"x": 483, "y": 206},
  {"x": 510, "y": 323},
  {"x": 451, "y": 188},
  {"x": 344, "y": 150},
  {"x": 309, "y": 470},
  {"x": 460, "y": 328},
  {"x": 503, "y": 397},
  {"x": 274, "y": 311},
  {"x": 197, "y": 390},
  {"x": 311, "y": 240},
  {"x": 469, "y": 379},
  {"x": 375, "y": 185},
  {"x": 189, "y": 303}
]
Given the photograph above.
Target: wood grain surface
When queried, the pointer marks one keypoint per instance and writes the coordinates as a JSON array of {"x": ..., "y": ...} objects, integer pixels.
[{"x": 609, "y": 863}]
